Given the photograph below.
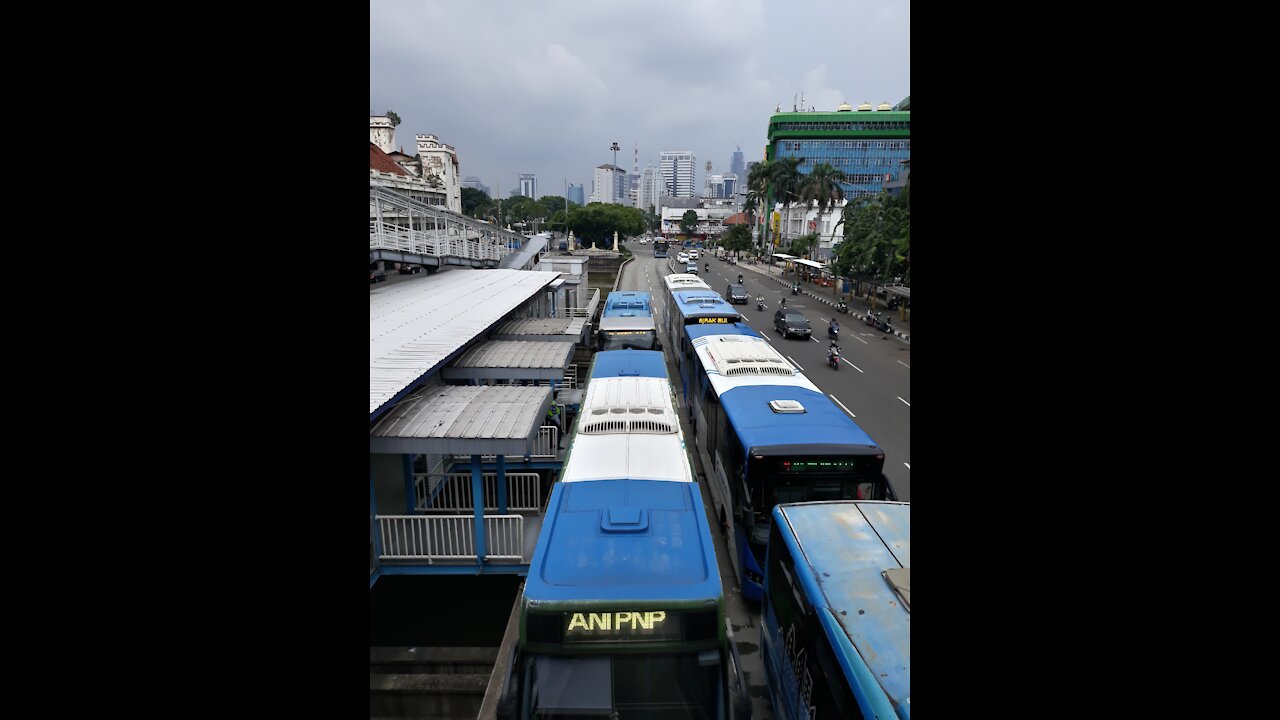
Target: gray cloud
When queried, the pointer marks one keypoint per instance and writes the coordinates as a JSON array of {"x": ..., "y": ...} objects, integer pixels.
[{"x": 546, "y": 87}]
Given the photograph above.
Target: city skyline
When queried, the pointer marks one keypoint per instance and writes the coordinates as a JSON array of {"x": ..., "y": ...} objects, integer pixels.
[{"x": 560, "y": 83}]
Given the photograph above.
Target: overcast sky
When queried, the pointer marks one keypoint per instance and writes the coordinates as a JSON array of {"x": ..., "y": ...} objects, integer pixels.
[{"x": 545, "y": 87}]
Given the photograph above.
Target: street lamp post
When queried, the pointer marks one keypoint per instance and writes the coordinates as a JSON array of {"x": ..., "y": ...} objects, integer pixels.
[{"x": 614, "y": 147}]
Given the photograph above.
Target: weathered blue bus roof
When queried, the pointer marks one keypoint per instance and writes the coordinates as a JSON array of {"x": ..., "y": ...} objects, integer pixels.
[
  {"x": 624, "y": 540},
  {"x": 694, "y": 303},
  {"x": 846, "y": 546},
  {"x": 629, "y": 363},
  {"x": 636, "y": 303},
  {"x": 758, "y": 427}
]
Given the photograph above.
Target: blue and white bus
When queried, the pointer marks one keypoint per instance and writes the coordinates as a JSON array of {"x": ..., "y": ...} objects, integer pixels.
[
  {"x": 623, "y": 613},
  {"x": 627, "y": 322},
  {"x": 767, "y": 435},
  {"x": 836, "y": 630},
  {"x": 660, "y": 246}
]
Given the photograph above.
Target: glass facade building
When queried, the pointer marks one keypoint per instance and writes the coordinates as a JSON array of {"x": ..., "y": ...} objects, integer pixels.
[{"x": 868, "y": 146}]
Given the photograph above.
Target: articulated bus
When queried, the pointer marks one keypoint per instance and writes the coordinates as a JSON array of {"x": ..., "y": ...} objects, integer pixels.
[
  {"x": 627, "y": 322},
  {"x": 836, "y": 630},
  {"x": 623, "y": 614},
  {"x": 660, "y": 246},
  {"x": 767, "y": 435}
]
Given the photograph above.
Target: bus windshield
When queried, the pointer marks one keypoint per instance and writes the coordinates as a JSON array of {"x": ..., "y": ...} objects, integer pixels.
[
  {"x": 777, "y": 480},
  {"x": 623, "y": 686},
  {"x": 627, "y": 339}
]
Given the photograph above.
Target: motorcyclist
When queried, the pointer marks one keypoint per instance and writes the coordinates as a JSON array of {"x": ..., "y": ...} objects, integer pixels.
[
  {"x": 739, "y": 278},
  {"x": 835, "y": 327},
  {"x": 843, "y": 307},
  {"x": 782, "y": 303},
  {"x": 760, "y": 301},
  {"x": 832, "y": 350},
  {"x": 707, "y": 267}
]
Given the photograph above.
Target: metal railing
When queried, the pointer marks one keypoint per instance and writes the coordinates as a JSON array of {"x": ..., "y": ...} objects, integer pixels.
[
  {"x": 432, "y": 538},
  {"x": 544, "y": 446},
  {"x": 399, "y": 222},
  {"x": 590, "y": 309},
  {"x": 451, "y": 492}
]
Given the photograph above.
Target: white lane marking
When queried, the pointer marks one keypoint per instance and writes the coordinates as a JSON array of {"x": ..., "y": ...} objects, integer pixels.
[
  {"x": 904, "y": 365},
  {"x": 833, "y": 397},
  {"x": 908, "y": 465},
  {"x": 793, "y": 362},
  {"x": 904, "y": 401},
  {"x": 855, "y": 367}
]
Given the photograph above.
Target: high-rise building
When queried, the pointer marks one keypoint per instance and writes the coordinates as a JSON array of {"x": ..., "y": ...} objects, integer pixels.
[
  {"x": 576, "y": 195},
  {"x": 529, "y": 185},
  {"x": 609, "y": 185},
  {"x": 736, "y": 165},
  {"x": 678, "y": 173},
  {"x": 730, "y": 185},
  {"x": 650, "y": 188}
]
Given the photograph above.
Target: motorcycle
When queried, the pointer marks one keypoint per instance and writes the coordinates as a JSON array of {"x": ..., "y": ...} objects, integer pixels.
[
  {"x": 795, "y": 289},
  {"x": 885, "y": 324},
  {"x": 833, "y": 332},
  {"x": 739, "y": 278},
  {"x": 707, "y": 267},
  {"x": 833, "y": 357},
  {"x": 842, "y": 308},
  {"x": 760, "y": 303},
  {"x": 870, "y": 319}
]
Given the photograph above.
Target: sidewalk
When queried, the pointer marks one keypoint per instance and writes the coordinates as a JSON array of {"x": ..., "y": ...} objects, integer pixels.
[{"x": 858, "y": 306}]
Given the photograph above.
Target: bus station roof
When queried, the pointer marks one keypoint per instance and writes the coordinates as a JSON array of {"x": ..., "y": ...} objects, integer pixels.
[
  {"x": 511, "y": 359},
  {"x": 416, "y": 327},
  {"x": 463, "y": 420}
]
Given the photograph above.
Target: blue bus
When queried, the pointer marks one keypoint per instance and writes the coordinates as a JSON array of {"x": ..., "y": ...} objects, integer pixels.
[
  {"x": 767, "y": 435},
  {"x": 623, "y": 613},
  {"x": 660, "y": 246},
  {"x": 627, "y": 322},
  {"x": 836, "y": 630}
]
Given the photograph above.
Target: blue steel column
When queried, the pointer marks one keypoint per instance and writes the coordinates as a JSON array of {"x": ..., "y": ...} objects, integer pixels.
[
  {"x": 502, "y": 484},
  {"x": 373, "y": 517},
  {"x": 410, "y": 493},
  {"x": 477, "y": 495}
]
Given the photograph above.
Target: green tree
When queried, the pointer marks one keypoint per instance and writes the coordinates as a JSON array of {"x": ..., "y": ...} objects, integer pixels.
[
  {"x": 785, "y": 175},
  {"x": 688, "y": 222},
  {"x": 823, "y": 187},
  {"x": 800, "y": 246},
  {"x": 736, "y": 239},
  {"x": 758, "y": 194},
  {"x": 393, "y": 117},
  {"x": 474, "y": 201}
]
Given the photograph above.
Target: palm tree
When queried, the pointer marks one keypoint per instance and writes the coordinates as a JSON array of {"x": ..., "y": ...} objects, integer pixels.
[
  {"x": 786, "y": 178},
  {"x": 758, "y": 192},
  {"x": 823, "y": 186}
]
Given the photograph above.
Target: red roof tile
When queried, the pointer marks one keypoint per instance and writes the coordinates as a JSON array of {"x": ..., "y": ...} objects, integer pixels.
[{"x": 379, "y": 161}]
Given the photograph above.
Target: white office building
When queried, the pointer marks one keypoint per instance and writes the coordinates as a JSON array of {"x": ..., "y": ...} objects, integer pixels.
[
  {"x": 678, "y": 173},
  {"x": 609, "y": 185}
]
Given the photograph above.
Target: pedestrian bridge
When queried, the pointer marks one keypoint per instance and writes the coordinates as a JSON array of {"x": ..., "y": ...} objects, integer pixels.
[{"x": 405, "y": 230}]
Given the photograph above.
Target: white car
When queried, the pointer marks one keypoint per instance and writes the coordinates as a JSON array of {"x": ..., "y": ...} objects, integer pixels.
[{"x": 693, "y": 254}]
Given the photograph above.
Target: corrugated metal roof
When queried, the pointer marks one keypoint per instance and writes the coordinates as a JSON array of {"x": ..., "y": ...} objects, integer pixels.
[
  {"x": 513, "y": 359},
  {"x": 463, "y": 419},
  {"x": 517, "y": 354},
  {"x": 534, "y": 326},
  {"x": 415, "y": 326}
]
